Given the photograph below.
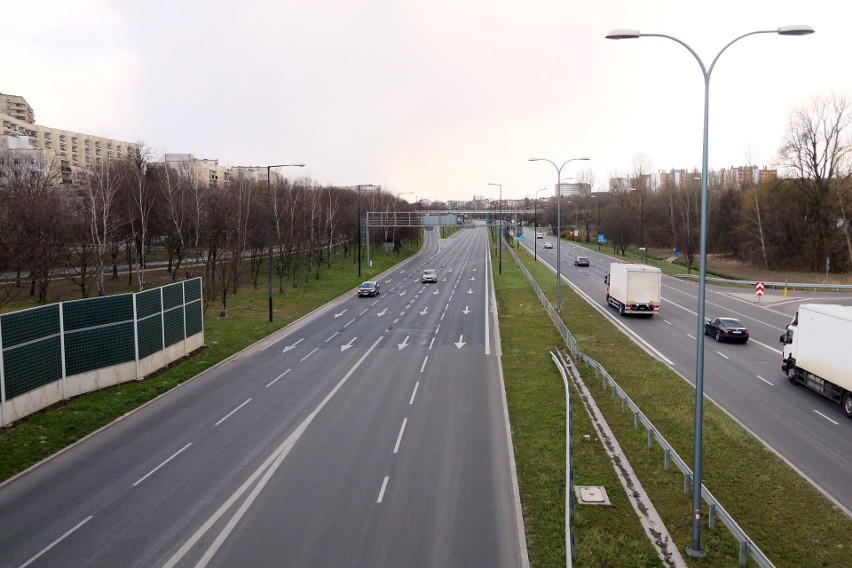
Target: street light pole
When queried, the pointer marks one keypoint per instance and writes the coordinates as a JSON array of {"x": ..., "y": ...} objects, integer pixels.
[
  {"x": 558, "y": 225},
  {"x": 694, "y": 550},
  {"x": 269, "y": 223},
  {"x": 535, "y": 227},
  {"x": 598, "y": 199},
  {"x": 500, "y": 229}
]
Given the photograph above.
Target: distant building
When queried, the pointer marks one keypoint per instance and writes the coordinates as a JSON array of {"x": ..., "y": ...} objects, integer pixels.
[
  {"x": 16, "y": 107},
  {"x": 205, "y": 171},
  {"x": 571, "y": 189}
]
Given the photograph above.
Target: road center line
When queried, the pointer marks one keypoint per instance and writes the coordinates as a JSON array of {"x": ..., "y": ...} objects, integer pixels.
[
  {"x": 414, "y": 393},
  {"x": 275, "y": 380},
  {"x": 170, "y": 458},
  {"x": 231, "y": 412},
  {"x": 382, "y": 491},
  {"x": 57, "y": 541},
  {"x": 399, "y": 437}
]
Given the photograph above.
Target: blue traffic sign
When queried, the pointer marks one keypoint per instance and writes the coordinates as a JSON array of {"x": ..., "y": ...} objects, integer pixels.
[{"x": 601, "y": 238}]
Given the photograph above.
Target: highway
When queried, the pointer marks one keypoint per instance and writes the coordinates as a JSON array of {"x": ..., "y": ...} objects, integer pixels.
[
  {"x": 805, "y": 429},
  {"x": 372, "y": 433}
]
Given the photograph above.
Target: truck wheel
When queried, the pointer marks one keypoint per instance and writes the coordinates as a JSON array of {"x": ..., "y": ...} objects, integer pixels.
[
  {"x": 718, "y": 337},
  {"x": 847, "y": 404},
  {"x": 621, "y": 309},
  {"x": 791, "y": 374}
]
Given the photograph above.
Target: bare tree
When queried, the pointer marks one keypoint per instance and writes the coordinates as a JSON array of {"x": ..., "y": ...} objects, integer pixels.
[{"x": 100, "y": 192}]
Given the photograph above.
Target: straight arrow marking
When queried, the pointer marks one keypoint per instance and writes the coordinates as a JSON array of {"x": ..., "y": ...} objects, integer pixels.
[
  {"x": 460, "y": 343},
  {"x": 289, "y": 347},
  {"x": 348, "y": 345}
]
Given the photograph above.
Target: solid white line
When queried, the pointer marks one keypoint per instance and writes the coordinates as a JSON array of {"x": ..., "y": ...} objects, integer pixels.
[
  {"x": 827, "y": 418},
  {"x": 275, "y": 380},
  {"x": 382, "y": 491},
  {"x": 423, "y": 366},
  {"x": 267, "y": 469},
  {"x": 309, "y": 354},
  {"x": 490, "y": 275},
  {"x": 414, "y": 393},
  {"x": 55, "y": 542},
  {"x": 348, "y": 324},
  {"x": 399, "y": 438},
  {"x": 764, "y": 380},
  {"x": 723, "y": 355},
  {"x": 332, "y": 336},
  {"x": 170, "y": 458},
  {"x": 231, "y": 412},
  {"x": 431, "y": 343}
]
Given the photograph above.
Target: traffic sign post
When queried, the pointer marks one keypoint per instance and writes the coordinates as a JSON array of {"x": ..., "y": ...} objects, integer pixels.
[{"x": 758, "y": 289}]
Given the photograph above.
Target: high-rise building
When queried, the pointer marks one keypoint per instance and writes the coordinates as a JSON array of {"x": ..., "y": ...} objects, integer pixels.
[{"x": 16, "y": 107}]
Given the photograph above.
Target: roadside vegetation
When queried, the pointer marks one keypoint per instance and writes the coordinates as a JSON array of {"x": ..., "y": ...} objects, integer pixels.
[{"x": 767, "y": 498}]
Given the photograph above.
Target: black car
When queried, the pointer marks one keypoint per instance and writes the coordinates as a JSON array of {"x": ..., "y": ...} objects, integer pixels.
[
  {"x": 581, "y": 261},
  {"x": 369, "y": 288},
  {"x": 726, "y": 329}
]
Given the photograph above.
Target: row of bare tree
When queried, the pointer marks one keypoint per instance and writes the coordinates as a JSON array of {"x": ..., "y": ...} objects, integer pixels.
[
  {"x": 124, "y": 209},
  {"x": 800, "y": 221}
]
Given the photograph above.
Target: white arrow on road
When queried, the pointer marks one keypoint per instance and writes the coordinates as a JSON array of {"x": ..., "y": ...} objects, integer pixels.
[
  {"x": 383, "y": 312},
  {"x": 435, "y": 293},
  {"x": 348, "y": 345},
  {"x": 388, "y": 281},
  {"x": 426, "y": 309},
  {"x": 341, "y": 313},
  {"x": 404, "y": 343},
  {"x": 289, "y": 347},
  {"x": 459, "y": 343},
  {"x": 473, "y": 277},
  {"x": 403, "y": 292},
  {"x": 470, "y": 290},
  {"x": 474, "y": 269},
  {"x": 466, "y": 310}
]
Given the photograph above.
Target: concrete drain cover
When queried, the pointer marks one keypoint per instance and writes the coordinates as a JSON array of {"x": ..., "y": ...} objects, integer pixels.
[{"x": 591, "y": 495}]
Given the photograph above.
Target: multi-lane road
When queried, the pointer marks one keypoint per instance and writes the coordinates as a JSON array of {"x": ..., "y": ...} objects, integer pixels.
[
  {"x": 807, "y": 430},
  {"x": 373, "y": 433}
]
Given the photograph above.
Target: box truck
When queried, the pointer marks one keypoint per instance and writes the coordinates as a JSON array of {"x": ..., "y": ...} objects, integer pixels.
[
  {"x": 814, "y": 353},
  {"x": 633, "y": 288}
]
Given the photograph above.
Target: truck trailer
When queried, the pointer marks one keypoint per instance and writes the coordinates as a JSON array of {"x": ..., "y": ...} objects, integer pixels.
[
  {"x": 814, "y": 352},
  {"x": 634, "y": 288}
]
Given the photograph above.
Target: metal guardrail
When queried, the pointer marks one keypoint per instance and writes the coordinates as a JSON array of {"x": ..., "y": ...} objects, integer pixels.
[
  {"x": 747, "y": 546},
  {"x": 570, "y": 555},
  {"x": 772, "y": 285}
]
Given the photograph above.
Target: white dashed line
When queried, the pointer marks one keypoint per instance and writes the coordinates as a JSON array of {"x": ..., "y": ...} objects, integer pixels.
[
  {"x": 827, "y": 418},
  {"x": 431, "y": 343},
  {"x": 232, "y": 412},
  {"x": 57, "y": 541},
  {"x": 275, "y": 380},
  {"x": 399, "y": 437},
  {"x": 382, "y": 491},
  {"x": 170, "y": 458},
  {"x": 332, "y": 336},
  {"x": 309, "y": 354},
  {"x": 414, "y": 393},
  {"x": 423, "y": 366},
  {"x": 764, "y": 380},
  {"x": 723, "y": 355}
]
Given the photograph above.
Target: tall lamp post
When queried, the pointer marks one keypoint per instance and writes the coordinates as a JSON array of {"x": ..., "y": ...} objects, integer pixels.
[
  {"x": 642, "y": 248},
  {"x": 269, "y": 223},
  {"x": 500, "y": 226},
  {"x": 558, "y": 226},
  {"x": 535, "y": 225},
  {"x": 597, "y": 197},
  {"x": 694, "y": 548}
]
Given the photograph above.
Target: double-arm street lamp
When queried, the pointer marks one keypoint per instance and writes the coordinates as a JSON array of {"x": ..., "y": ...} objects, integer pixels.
[
  {"x": 694, "y": 549},
  {"x": 500, "y": 226},
  {"x": 269, "y": 224},
  {"x": 558, "y": 225},
  {"x": 535, "y": 224}
]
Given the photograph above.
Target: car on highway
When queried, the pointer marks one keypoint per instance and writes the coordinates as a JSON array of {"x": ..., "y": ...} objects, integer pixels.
[
  {"x": 726, "y": 329},
  {"x": 429, "y": 275},
  {"x": 548, "y": 245},
  {"x": 539, "y": 236},
  {"x": 369, "y": 288},
  {"x": 581, "y": 261}
]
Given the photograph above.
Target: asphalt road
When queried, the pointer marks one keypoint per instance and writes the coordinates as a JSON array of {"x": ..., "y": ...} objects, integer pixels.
[
  {"x": 805, "y": 429},
  {"x": 373, "y": 433}
]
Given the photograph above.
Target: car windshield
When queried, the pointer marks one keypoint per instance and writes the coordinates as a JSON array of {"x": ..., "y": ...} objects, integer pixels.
[
  {"x": 582, "y": 258},
  {"x": 368, "y": 285},
  {"x": 428, "y": 273},
  {"x": 729, "y": 322}
]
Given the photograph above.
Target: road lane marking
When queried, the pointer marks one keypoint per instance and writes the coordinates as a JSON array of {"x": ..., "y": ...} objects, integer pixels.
[
  {"x": 382, "y": 491},
  {"x": 57, "y": 541},
  {"x": 275, "y": 380},
  {"x": 309, "y": 354},
  {"x": 723, "y": 355},
  {"x": 423, "y": 366},
  {"x": 442, "y": 316},
  {"x": 827, "y": 418},
  {"x": 667, "y": 322},
  {"x": 348, "y": 324},
  {"x": 170, "y": 458},
  {"x": 231, "y": 412},
  {"x": 332, "y": 336},
  {"x": 399, "y": 437},
  {"x": 414, "y": 393},
  {"x": 764, "y": 380},
  {"x": 431, "y": 343},
  {"x": 293, "y": 346},
  {"x": 691, "y": 337},
  {"x": 266, "y": 470},
  {"x": 363, "y": 312}
]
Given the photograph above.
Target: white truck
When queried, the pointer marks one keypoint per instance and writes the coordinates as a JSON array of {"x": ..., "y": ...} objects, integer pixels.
[
  {"x": 633, "y": 288},
  {"x": 814, "y": 352}
]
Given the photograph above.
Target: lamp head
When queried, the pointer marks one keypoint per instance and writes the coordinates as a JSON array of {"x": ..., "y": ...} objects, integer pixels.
[
  {"x": 623, "y": 34},
  {"x": 795, "y": 30}
]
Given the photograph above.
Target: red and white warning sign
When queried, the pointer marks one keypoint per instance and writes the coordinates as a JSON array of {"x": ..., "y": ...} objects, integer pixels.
[{"x": 758, "y": 289}]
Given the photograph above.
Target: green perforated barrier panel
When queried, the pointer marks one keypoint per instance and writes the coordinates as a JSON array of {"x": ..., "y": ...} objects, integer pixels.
[
  {"x": 94, "y": 312},
  {"x": 98, "y": 347},
  {"x": 29, "y": 325},
  {"x": 30, "y": 366}
]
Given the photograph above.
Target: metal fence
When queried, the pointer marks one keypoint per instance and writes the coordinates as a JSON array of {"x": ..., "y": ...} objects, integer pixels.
[
  {"x": 747, "y": 548},
  {"x": 772, "y": 285},
  {"x": 55, "y": 352}
]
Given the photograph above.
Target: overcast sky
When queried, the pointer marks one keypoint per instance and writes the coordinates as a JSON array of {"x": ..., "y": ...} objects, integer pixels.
[{"x": 436, "y": 98}]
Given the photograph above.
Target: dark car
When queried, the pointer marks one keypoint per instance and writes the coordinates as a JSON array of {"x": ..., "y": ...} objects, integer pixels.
[
  {"x": 369, "y": 288},
  {"x": 581, "y": 261},
  {"x": 726, "y": 329}
]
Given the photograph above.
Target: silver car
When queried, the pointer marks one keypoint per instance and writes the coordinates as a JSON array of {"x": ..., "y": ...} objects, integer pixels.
[{"x": 429, "y": 275}]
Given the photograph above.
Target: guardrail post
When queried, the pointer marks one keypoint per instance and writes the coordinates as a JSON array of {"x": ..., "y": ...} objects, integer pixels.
[
  {"x": 650, "y": 438},
  {"x": 687, "y": 483},
  {"x": 666, "y": 456},
  {"x": 624, "y": 405},
  {"x": 711, "y": 518},
  {"x": 635, "y": 420},
  {"x": 743, "y": 553},
  {"x": 613, "y": 392}
]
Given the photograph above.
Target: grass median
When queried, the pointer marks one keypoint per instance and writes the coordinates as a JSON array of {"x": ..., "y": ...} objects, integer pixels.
[{"x": 787, "y": 518}]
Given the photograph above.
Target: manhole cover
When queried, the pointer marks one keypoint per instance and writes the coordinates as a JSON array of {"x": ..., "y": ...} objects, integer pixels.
[{"x": 591, "y": 495}]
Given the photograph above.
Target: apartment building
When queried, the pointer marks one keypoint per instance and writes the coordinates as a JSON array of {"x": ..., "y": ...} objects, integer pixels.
[
  {"x": 16, "y": 107},
  {"x": 205, "y": 171}
]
